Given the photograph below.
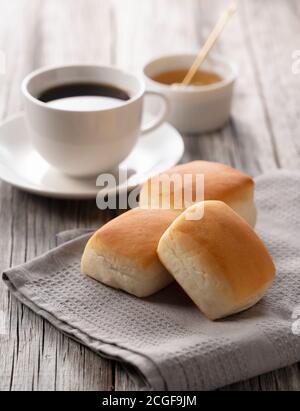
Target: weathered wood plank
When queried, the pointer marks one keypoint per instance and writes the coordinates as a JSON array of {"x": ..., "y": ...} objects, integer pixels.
[
  {"x": 35, "y": 355},
  {"x": 272, "y": 34},
  {"x": 14, "y": 45},
  {"x": 75, "y": 32},
  {"x": 286, "y": 379},
  {"x": 246, "y": 142},
  {"x": 144, "y": 30}
]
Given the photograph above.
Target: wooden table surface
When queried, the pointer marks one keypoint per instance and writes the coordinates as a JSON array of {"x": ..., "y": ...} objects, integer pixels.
[{"x": 263, "y": 134}]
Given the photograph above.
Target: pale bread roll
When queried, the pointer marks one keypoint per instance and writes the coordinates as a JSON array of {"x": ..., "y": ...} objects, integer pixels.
[
  {"x": 122, "y": 254},
  {"x": 218, "y": 260},
  {"x": 221, "y": 182}
]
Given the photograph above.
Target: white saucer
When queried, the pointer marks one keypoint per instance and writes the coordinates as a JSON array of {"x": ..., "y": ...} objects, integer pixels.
[{"x": 23, "y": 167}]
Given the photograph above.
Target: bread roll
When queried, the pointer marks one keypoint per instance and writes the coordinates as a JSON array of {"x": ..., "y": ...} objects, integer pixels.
[
  {"x": 122, "y": 254},
  {"x": 218, "y": 260},
  {"x": 221, "y": 182}
]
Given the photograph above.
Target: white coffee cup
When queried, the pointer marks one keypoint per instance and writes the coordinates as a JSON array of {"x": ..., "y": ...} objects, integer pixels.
[
  {"x": 194, "y": 109},
  {"x": 85, "y": 143}
]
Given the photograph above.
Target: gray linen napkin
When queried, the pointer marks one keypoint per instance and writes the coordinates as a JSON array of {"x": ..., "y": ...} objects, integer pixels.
[{"x": 164, "y": 337}]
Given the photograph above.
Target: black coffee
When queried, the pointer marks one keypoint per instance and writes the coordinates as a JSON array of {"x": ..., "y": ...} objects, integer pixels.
[
  {"x": 84, "y": 96},
  {"x": 83, "y": 89}
]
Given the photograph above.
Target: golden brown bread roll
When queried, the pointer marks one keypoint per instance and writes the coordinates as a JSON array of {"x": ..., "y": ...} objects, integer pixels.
[
  {"x": 122, "y": 254},
  {"x": 218, "y": 260},
  {"x": 221, "y": 182}
]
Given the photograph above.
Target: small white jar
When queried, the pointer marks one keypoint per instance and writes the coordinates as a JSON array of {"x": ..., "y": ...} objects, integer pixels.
[{"x": 194, "y": 109}]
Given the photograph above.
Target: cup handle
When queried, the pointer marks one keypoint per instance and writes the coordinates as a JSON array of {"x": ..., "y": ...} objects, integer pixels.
[{"x": 161, "y": 116}]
